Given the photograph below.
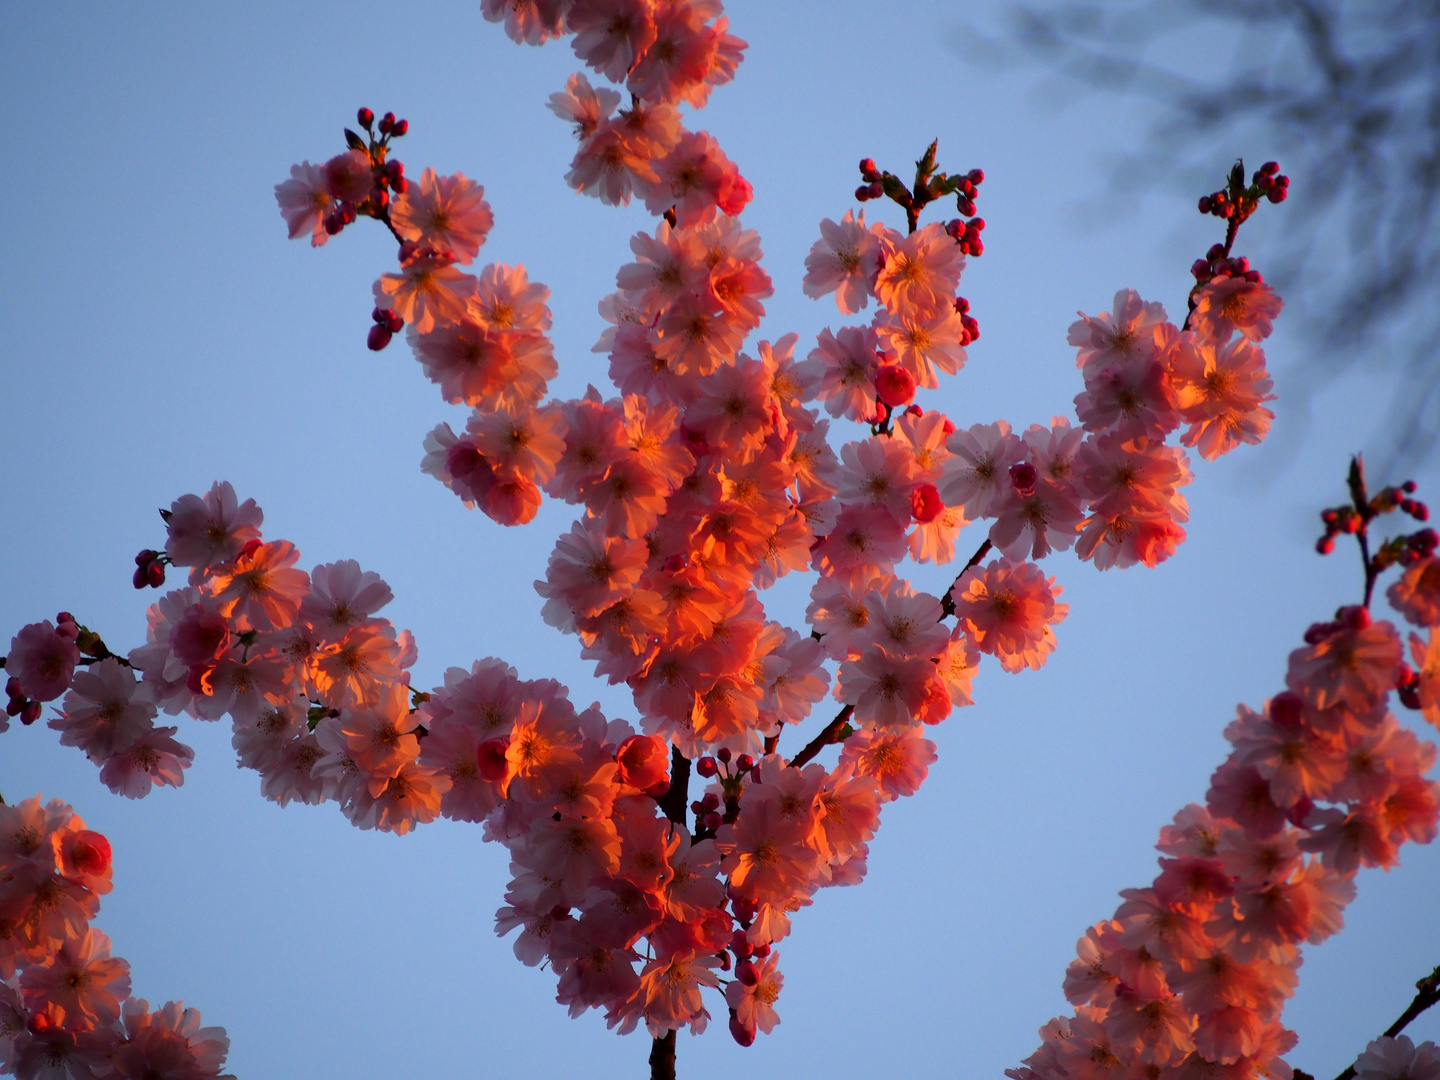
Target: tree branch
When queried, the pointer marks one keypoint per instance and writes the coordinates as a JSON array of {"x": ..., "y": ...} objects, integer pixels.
[
  {"x": 827, "y": 737},
  {"x": 947, "y": 605},
  {"x": 1428, "y": 993},
  {"x": 662, "y": 1057}
]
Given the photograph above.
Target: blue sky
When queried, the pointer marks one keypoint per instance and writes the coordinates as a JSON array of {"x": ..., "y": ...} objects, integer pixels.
[{"x": 162, "y": 333}]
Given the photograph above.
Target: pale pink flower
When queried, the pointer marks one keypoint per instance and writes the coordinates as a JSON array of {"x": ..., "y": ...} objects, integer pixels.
[
  {"x": 530, "y": 22},
  {"x": 1128, "y": 330},
  {"x": 845, "y": 261},
  {"x": 861, "y": 538},
  {"x": 1355, "y": 666},
  {"x": 349, "y": 177},
  {"x": 342, "y": 595},
  {"x": 359, "y": 666},
  {"x": 695, "y": 338},
  {"x": 1221, "y": 389},
  {"x": 887, "y": 691},
  {"x": 1426, "y": 654},
  {"x": 611, "y": 35},
  {"x": 105, "y": 710},
  {"x": 169, "y": 1042},
  {"x": 43, "y": 660},
  {"x": 977, "y": 474},
  {"x": 582, "y": 104},
  {"x": 920, "y": 272},
  {"x": 934, "y": 540},
  {"x": 923, "y": 340},
  {"x": 766, "y": 854},
  {"x": 1131, "y": 397},
  {"x": 1227, "y": 304},
  {"x": 82, "y": 981},
  {"x": 696, "y": 179},
  {"x": 878, "y": 472},
  {"x": 1008, "y": 609},
  {"x": 846, "y": 365},
  {"x": 523, "y": 443},
  {"x": 610, "y": 166},
  {"x": 754, "y": 1003},
  {"x": 154, "y": 760},
  {"x": 427, "y": 292},
  {"x": 587, "y": 573},
  {"x": 1416, "y": 595},
  {"x": 671, "y": 991},
  {"x": 898, "y": 761},
  {"x": 1398, "y": 1059},
  {"x": 304, "y": 202},
  {"x": 261, "y": 590},
  {"x": 210, "y": 530}
]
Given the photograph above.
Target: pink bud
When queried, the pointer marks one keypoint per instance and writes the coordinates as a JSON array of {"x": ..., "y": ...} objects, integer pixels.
[
  {"x": 712, "y": 821},
  {"x": 1287, "y": 709},
  {"x": 1024, "y": 477},
  {"x": 366, "y": 117},
  {"x": 30, "y": 713},
  {"x": 491, "y": 762},
  {"x": 724, "y": 754},
  {"x": 643, "y": 761},
  {"x": 744, "y": 763},
  {"x": 706, "y": 767},
  {"x": 746, "y": 973},
  {"x": 378, "y": 338},
  {"x": 743, "y": 1035},
  {"x": 895, "y": 385},
  {"x": 925, "y": 503}
]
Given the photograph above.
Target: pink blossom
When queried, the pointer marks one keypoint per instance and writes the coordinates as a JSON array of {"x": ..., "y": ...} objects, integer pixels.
[
  {"x": 1008, "y": 609},
  {"x": 154, "y": 760},
  {"x": 611, "y": 35},
  {"x": 898, "y": 761},
  {"x": 845, "y": 366},
  {"x": 444, "y": 213},
  {"x": 342, "y": 595},
  {"x": 1128, "y": 330},
  {"x": 348, "y": 176},
  {"x": 261, "y": 590},
  {"x": 977, "y": 474},
  {"x": 845, "y": 261},
  {"x": 919, "y": 272},
  {"x": 531, "y": 22},
  {"x": 754, "y": 1002},
  {"x": 169, "y": 1042},
  {"x": 888, "y": 691},
  {"x": 105, "y": 710},
  {"x": 1230, "y": 303},
  {"x": 304, "y": 202},
  {"x": 1220, "y": 389},
  {"x": 1416, "y": 595},
  {"x": 82, "y": 981},
  {"x": 210, "y": 530},
  {"x": 1398, "y": 1059},
  {"x": 43, "y": 660},
  {"x": 695, "y": 179},
  {"x": 428, "y": 292}
]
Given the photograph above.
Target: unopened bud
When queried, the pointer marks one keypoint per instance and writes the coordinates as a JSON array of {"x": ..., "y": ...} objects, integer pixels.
[
  {"x": 386, "y": 123},
  {"x": 724, "y": 754},
  {"x": 876, "y": 189},
  {"x": 378, "y": 338},
  {"x": 1326, "y": 544},
  {"x": 1277, "y": 194},
  {"x": 1204, "y": 204},
  {"x": 155, "y": 574},
  {"x": 895, "y": 386},
  {"x": 1270, "y": 168},
  {"x": 744, "y": 763},
  {"x": 706, "y": 767},
  {"x": 400, "y": 128},
  {"x": 1024, "y": 477},
  {"x": 965, "y": 206},
  {"x": 976, "y": 176},
  {"x": 746, "y": 973},
  {"x": 741, "y": 1033},
  {"x": 366, "y": 117},
  {"x": 862, "y": 193},
  {"x": 712, "y": 821},
  {"x": 30, "y": 713}
]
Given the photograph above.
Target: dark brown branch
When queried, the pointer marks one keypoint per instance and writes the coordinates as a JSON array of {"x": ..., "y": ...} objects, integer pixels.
[
  {"x": 676, "y": 799},
  {"x": 1427, "y": 994},
  {"x": 662, "y": 1057},
  {"x": 947, "y": 604},
  {"x": 829, "y": 736}
]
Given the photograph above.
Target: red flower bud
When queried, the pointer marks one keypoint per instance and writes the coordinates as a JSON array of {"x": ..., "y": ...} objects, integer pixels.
[
  {"x": 378, "y": 338},
  {"x": 895, "y": 386},
  {"x": 746, "y": 973},
  {"x": 976, "y": 176},
  {"x": 1024, "y": 477},
  {"x": 491, "y": 762},
  {"x": 643, "y": 761},
  {"x": 744, "y": 763},
  {"x": 366, "y": 117},
  {"x": 925, "y": 503}
]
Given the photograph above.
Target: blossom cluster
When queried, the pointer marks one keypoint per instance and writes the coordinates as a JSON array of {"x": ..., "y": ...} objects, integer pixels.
[
  {"x": 1189, "y": 976},
  {"x": 65, "y": 1004},
  {"x": 706, "y": 477}
]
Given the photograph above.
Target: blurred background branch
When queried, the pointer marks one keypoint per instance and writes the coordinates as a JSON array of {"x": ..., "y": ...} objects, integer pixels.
[{"x": 1347, "y": 96}]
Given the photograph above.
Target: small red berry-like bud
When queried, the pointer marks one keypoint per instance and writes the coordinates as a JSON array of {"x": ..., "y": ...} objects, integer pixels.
[
  {"x": 140, "y": 579},
  {"x": 399, "y": 185},
  {"x": 1240, "y": 265},
  {"x": 1024, "y": 477},
  {"x": 977, "y": 224},
  {"x": 744, "y": 763},
  {"x": 762, "y": 950},
  {"x": 948, "y": 427},
  {"x": 876, "y": 189},
  {"x": 1406, "y": 674},
  {"x": 1408, "y": 487},
  {"x": 976, "y": 176},
  {"x": 490, "y": 760},
  {"x": 740, "y": 945},
  {"x": 966, "y": 206},
  {"x": 14, "y": 706},
  {"x": 30, "y": 713},
  {"x": 1418, "y": 510},
  {"x": 1410, "y": 697},
  {"x": 1326, "y": 544},
  {"x": 155, "y": 574},
  {"x": 1350, "y": 523},
  {"x": 334, "y": 222},
  {"x": 1204, "y": 204},
  {"x": 1277, "y": 194},
  {"x": 378, "y": 338},
  {"x": 1200, "y": 270},
  {"x": 711, "y": 801},
  {"x": 1263, "y": 182},
  {"x": 1270, "y": 168},
  {"x": 387, "y": 122},
  {"x": 868, "y": 171},
  {"x": 393, "y": 322},
  {"x": 706, "y": 767},
  {"x": 146, "y": 557},
  {"x": 976, "y": 248},
  {"x": 379, "y": 315},
  {"x": 1318, "y": 632},
  {"x": 400, "y": 128},
  {"x": 1428, "y": 539},
  {"x": 746, "y": 973},
  {"x": 962, "y": 306},
  {"x": 712, "y": 821},
  {"x": 1253, "y": 276},
  {"x": 955, "y": 228},
  {"x": 380, "y": 197},
  {"x": 724, "y": 754},
  {"x": 862, "y": 193},
  {"x": 366, "y": 117},
  {"x": 724, "y": 958},
  {"x": 12, "y": 688}
]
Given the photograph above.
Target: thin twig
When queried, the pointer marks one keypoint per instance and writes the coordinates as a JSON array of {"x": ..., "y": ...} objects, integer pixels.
[
  {"x": 947, "y": 603},
  {"x": 1427, "y": 994},
  {"x": 827, "y": 737}
]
